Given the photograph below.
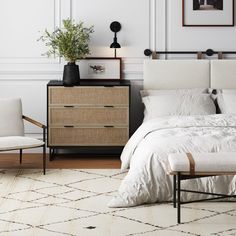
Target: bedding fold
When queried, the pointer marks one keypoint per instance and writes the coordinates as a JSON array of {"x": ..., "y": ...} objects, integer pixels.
[{"x": 146, "y": 154}]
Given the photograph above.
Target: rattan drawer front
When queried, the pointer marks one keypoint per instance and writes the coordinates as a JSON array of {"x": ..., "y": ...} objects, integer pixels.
[
  {"x": 88, "y": 136},
  {"x": 89, "y": 116},
  {"x": 93, "y": 95}
]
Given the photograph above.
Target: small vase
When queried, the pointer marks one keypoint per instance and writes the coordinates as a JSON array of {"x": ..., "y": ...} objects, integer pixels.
[{"x": 71, "y": 75}]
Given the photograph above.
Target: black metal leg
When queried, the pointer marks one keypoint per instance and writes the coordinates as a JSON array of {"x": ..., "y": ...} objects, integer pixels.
[
  {"x": 44, "y": 159},
  {"x": 51, "y": 154},
  {"x": 179, "y": 200},
  {"x": 177, "y": 187},
  {"x": 174, "y": 191},
  {"x": 20, "y": 156}
]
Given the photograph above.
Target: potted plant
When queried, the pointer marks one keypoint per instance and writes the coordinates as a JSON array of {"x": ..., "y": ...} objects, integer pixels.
[{"x": 71, "y": 43}]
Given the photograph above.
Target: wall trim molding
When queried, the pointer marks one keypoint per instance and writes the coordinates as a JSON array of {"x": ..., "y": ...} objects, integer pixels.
[
  {"x": 130, "y": 75},
  {"x": 154, "y": 24},
  {"x": 38, "y": 60},
  {"x": 34, "y": 66},
  {"x": 131, "y": 66},
  {"x": 26, "y": 72},
  {"x": 166, "y": 27}
]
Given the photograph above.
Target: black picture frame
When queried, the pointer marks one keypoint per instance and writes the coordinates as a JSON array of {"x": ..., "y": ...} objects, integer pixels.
[{"x": 185, "y": 24}]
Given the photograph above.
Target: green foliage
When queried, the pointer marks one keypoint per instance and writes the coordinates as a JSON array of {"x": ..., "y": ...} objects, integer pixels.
[{"x": 70, "y": 42}]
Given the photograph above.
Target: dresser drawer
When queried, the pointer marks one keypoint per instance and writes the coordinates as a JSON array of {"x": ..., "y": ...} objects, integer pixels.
[
  {"x": 92, "y": 95},
  {"x": 89, "y": 116},
  {"x": 98, "y": 136}
]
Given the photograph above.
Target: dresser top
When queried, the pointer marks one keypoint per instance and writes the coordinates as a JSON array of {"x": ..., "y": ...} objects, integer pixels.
[{"x": 93, "y": 83}]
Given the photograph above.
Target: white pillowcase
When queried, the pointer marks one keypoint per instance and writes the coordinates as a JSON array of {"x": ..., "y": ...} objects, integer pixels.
[
  {"x": 178, "y": 104},
  {"x": 231, "y": 91},
  {"x": 153, "y": 92},
  {"x": 227, "y": 101}
]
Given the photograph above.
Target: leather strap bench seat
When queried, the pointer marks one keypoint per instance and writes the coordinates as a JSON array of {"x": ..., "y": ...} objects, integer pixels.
[
  {"x": 202, "y": 163},
  {"x": 185, "y": 166}
]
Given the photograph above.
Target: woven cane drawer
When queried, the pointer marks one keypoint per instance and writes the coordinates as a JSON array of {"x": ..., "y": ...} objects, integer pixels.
[
  {"x": 99, "y": 136},
  {"x": 92, "y": 95},
  {"x": 89, "y": 116}
]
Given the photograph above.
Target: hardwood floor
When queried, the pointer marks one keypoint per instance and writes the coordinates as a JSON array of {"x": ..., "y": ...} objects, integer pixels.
[{"x": 31, "y": 161}]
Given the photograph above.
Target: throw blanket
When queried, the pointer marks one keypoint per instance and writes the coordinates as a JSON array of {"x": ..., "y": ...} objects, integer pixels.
[{"x": 147, "y": 151}]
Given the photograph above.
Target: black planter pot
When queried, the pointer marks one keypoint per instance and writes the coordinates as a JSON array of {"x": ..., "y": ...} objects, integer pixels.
[{"x": 71, "y": 74}]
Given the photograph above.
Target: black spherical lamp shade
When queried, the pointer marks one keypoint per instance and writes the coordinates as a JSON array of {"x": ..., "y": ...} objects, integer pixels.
[{"x": 115, "y": 26}]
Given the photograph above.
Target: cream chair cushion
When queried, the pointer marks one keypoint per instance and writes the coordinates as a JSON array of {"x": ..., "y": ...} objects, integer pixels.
[
  {"x": 18, "y": 142},
  {"x": 11, "y": 122}
]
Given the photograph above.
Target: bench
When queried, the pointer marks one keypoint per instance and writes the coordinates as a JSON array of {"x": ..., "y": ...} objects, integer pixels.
[{"x": 185, "y": 166}]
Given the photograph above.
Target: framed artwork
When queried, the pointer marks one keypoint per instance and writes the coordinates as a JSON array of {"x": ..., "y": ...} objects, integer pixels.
[
  {"x": 208, "y": 13},
  {"x": 100, "y": 68}
]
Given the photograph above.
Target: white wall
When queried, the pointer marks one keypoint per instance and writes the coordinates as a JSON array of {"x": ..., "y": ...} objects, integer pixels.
[
  {"x": 24, "y": 72},
  {"x": 195, "y": 38}
]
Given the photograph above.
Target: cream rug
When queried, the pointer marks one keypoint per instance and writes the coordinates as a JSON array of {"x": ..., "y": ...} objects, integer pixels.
[{"x": 73, "y": 202}]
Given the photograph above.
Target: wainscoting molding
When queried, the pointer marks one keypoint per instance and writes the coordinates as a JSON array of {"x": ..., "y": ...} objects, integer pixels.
[
  {"x": 57, "y": 17},
  {"x": 26, "y": 75},
  {"x": 194, "y": 38},
  {"x": 22, "y": 67},
  {"x": 154, "y": 24}
]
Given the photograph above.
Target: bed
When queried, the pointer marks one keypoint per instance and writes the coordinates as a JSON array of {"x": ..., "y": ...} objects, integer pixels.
[{"x": 146, "y": 153}]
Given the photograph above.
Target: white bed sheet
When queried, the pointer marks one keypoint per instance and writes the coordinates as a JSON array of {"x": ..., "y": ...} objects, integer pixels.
[{"x": 147, "y": 151}]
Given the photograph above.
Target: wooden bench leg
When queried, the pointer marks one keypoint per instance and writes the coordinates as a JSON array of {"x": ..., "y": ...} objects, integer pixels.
[
  {"x": 174, "y": 191},
  {"x": 178, "y": 200}
]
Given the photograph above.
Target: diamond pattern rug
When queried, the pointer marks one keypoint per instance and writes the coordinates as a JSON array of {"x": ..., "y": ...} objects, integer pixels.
[{"x": 73, "y": 202}]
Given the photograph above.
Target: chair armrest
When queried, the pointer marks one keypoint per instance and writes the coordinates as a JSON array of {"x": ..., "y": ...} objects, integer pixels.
[{"x": 34, "y": 122}]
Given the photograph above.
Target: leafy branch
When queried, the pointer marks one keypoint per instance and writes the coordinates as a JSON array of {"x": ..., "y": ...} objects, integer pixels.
[{"x": 70, "y": 42}]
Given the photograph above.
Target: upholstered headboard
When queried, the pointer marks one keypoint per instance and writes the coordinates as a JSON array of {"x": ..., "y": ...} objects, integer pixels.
[
  {"x": 223, "y": 74},
  {"x": 174, "y": 74}
]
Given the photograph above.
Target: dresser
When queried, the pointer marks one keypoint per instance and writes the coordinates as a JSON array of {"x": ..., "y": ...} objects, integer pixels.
[{"x": 92, "y": 114}]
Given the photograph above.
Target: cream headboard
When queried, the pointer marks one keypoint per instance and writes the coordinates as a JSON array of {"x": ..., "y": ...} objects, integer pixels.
[
  {"x": 174, "y": 74},
  {"x": 223, "y": 74}
]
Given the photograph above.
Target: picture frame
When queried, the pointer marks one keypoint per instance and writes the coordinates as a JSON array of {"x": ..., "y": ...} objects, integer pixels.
[
  {"x": 207, "y": 13},
  {"x": 100, "y": 68}
]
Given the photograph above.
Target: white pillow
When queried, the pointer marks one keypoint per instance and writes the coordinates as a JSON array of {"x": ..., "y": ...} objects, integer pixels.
[
  {"x": 178, "y": 104},
  {"x": 153, "y": 92},
  {"x": 226, "y": 91},
  {"x": 227, "y": 101}
]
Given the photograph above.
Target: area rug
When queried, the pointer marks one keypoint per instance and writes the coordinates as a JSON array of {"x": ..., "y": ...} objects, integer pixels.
[{"x": 74, "y": 202}]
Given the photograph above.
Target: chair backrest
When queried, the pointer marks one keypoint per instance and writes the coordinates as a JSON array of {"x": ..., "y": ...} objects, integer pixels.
[{"x": 11, "y": 122}]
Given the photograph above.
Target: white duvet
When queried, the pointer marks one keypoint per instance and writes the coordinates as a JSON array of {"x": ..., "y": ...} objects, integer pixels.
[{"x": 147, "y": 150}]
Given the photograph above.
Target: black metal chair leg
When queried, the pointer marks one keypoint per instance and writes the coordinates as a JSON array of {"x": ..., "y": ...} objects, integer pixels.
[
  {"x": 50, "y": 154},
  {"x": 174, "y": 191},
  {"x": 20, "y": 156},
  {"x": 179, "y": 200},
  {"x": 44, "y": 159}
]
